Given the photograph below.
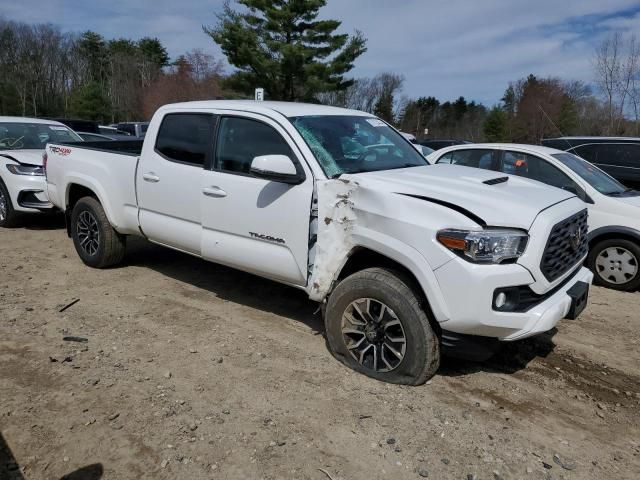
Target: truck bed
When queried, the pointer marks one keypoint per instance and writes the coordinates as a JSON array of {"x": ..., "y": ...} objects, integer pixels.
[{"x": 108, "y": 169}]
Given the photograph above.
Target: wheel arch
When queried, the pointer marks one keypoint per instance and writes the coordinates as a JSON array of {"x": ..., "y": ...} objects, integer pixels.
[
  {"x": 361, "y": 258},
  {"x": 76, "y": 191},
  {"x": 613, "y": 232}
]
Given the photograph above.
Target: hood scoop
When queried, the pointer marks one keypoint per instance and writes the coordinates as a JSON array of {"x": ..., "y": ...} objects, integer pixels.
[{"x": 495, "y": 181}]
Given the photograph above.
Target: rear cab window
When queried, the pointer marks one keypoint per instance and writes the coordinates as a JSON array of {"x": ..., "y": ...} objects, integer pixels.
[{"x": 186, "y": 138}]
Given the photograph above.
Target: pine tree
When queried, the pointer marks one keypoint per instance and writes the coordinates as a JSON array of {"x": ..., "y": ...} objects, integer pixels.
[
  {"x": 495, "y": 125},
  {"x": 280, "y": 45}
]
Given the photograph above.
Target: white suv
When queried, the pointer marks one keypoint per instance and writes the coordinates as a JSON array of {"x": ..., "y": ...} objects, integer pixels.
[
  {"x": 614, "y": 210},
  {"x": 23, "y": 188}
]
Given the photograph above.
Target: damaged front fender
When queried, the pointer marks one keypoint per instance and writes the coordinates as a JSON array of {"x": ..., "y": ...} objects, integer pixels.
[{"x": 334, "y": 240}]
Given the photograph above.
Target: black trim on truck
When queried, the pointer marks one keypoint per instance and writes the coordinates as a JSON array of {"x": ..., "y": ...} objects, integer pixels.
[
  {"x": 468, "y": 347},
  {"x": 521, "y": 298},
  {"x": 123, "y": 147}
]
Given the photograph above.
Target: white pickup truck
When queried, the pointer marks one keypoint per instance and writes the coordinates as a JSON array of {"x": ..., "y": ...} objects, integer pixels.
[{"x": 408, "y": 260}]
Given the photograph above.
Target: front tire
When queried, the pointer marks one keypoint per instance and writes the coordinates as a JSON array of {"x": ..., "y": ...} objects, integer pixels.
[
  {"x": 377, "y": 326},
  {"x": 97, "y": 243},
  {"x": 615, "y": 264},
  {"x": 8, "y": 216}
]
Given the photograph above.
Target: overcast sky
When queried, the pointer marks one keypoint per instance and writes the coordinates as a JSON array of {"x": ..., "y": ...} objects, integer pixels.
[{"x": 443, "y": 48}]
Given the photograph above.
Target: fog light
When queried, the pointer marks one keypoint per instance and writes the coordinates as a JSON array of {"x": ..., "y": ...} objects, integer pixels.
[{"x": 501, "y": 299}]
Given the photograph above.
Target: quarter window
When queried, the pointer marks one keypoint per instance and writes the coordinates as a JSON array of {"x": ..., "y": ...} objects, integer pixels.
[
  {"x": 240, "y": 140},
  {"x": 186, "y": 137}
]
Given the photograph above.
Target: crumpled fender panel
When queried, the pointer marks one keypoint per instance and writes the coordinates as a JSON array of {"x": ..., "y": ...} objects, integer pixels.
[{"x": 336, "y": 219}]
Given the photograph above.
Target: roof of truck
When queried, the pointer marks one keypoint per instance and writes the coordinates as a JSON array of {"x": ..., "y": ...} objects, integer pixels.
[{"x": 288, "y": 109}]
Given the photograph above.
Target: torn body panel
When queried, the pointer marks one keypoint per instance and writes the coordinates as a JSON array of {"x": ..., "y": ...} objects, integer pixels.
[{"x": 334, "y": 240}]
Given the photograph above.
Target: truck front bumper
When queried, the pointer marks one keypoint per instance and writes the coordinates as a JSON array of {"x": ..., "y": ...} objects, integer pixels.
[{"x": 471, "y": 305}]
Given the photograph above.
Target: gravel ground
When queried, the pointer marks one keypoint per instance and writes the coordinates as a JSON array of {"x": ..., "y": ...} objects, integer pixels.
[{"x": 192, "y": 370}]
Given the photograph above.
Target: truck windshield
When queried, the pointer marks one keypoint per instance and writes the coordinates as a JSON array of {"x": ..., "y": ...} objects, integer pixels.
[
  {"x": 591, "y": 174},
  {"x": 354, "y": 144},
  {"x": 24, "y": 136}
]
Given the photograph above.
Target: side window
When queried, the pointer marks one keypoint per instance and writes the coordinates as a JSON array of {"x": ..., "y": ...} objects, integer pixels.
[
  {"x": 186, "y": 137},
  {"x": 536, "y": 168},
  {"x": 484, "y": 159},
  {"x": 618, "y": 154},
  {"x": 240, "y": 140},
  {"x": 446, "y": 158},
  {"x": 588, "y": 152}
]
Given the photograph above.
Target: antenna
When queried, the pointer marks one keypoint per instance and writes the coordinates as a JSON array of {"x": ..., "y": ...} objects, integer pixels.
[{"x": 556, "y": 127}]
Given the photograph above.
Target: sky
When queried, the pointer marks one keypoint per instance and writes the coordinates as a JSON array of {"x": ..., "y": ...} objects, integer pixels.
[{"x": 443, "y": 49}]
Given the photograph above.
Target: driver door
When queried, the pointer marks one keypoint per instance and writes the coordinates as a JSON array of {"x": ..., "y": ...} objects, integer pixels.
[{"x": 250, "y": 223}]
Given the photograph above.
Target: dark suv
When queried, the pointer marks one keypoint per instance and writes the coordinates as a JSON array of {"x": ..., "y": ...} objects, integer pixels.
[{"x": 618, "y": 156}]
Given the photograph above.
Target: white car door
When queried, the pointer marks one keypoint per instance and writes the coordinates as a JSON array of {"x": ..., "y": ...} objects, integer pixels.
[
  {"x": 250, "y": 223},
  {"x": 169, "y": 179}
]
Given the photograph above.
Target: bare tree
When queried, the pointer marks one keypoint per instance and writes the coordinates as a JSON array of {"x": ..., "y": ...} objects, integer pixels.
[
  {"x": 616, "y": 66},
  {"x": 631, "y": 79}
]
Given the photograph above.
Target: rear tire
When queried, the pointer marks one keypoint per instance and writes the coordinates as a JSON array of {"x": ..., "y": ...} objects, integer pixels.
[
  {"x": 615, "y": 264},
  {"x": 97, "y": 243},
  {"x": 8, "y": 216},
  {"x": 377, "y": 326}
]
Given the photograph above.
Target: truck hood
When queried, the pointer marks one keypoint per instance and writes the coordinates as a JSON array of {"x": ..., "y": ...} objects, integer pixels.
[
  {"x": 512, "y": 203},
  {"x": 26, "y": 157}
]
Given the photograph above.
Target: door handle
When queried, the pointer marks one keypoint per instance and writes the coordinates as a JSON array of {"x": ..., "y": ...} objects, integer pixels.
[
  {"x": 151, "y": 177},
  {"x": 216, "y": 192}
]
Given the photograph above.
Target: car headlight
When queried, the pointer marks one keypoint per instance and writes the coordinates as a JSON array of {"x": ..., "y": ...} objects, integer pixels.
[
  {"x": 31, "y": 170},
  {"x": 485, "y": 246}
]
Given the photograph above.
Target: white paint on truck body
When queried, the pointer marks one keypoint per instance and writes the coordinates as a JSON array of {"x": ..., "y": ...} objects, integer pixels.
[{"x": 308, "y": 231}]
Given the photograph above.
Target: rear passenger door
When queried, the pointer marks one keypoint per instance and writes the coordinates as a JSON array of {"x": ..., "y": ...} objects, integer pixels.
[
  {"x": 169, "y": 179},
  {"x": 250, "y": 223}
]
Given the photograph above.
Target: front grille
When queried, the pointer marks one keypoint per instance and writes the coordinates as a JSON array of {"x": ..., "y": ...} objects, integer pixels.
[{"x": 566, "y": 246}]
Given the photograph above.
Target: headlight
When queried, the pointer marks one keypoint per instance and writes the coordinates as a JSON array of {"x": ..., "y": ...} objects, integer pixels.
[
  {"x": 31, "y": 170},
  {"x": 485, "y": 246}
]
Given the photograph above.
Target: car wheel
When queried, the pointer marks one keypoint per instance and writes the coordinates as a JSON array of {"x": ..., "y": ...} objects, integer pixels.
[
  {"x": 616, "y": 264},
  {"x": 8, "y": 216},
  {"x": 376, "y": 325},
  {"x": 96, "y": 242}
]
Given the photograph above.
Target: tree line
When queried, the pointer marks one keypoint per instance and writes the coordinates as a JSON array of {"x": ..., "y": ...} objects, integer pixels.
[{"x": 283, "y": 47}]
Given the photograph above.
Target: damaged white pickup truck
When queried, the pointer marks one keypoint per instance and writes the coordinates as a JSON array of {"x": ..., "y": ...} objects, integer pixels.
[{"x": 407, "y": 259}]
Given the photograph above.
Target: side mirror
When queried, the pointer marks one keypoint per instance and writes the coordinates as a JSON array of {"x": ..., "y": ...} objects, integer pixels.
[{"x": 277, "y": 168}]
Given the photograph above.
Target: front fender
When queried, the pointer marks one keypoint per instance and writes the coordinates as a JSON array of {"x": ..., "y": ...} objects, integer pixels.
[{"x": 412, "y": 260}]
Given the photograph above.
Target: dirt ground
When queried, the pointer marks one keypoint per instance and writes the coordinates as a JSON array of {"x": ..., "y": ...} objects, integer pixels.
[{"x": 196, "y": 371}]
